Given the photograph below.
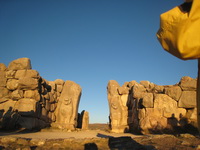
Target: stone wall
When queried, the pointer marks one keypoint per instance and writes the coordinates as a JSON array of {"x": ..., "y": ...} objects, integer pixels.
[
  {"x": 29, "y": 101},
  {"x": 149, "y": 108}
]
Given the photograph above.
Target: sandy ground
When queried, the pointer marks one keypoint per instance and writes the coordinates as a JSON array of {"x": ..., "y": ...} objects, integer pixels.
[{"x": 65, "y": 134}]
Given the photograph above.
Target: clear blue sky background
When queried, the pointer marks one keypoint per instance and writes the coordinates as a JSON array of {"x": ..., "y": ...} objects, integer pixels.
[{"x": 91, "y": 42}]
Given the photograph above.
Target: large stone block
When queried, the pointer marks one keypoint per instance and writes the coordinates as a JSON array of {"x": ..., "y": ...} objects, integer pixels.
[
  {"x": 26, "y": 107},
  {"x": 27, "y": 83},
  {"x": 138, "y": 91},
  {"x": 32, "y": 94},
  {"x": 147, "y": 100},
  {"x": 20, "y": 64},
  {"x": 173, "y": 92},
  {"x": 188, "y": 83},
  {"x": 187, "y": 99},
  {"x": 4, "y": 92},
  {"x": 167, "y": 106},
  {"x": 27, "y": 73}
]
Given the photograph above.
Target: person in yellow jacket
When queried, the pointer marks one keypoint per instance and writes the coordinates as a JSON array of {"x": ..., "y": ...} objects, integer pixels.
[{"x": 179, "y": 34}]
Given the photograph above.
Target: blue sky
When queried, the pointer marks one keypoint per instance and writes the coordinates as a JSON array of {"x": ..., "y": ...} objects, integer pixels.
[{"x": 91, "y": 42}]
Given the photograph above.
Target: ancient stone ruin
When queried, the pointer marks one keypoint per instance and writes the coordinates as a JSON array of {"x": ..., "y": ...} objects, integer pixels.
[
  {"x": 29, "y": 101},
  {"x": 149, "y": 108}
]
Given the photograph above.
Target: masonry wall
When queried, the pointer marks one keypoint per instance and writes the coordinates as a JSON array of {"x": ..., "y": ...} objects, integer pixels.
[
  {"x": 153, "y": 108},
  {"x": 29, "y": 101}
]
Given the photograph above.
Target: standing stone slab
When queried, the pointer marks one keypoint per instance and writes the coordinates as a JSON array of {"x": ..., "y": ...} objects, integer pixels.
[{"x": 67, "y": 107}]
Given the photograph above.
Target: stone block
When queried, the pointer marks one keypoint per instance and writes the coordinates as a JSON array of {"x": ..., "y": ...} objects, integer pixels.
[
  {"x": 4, "y": 92},
  {"x": 188, "y": 84},
  {"x": 27, "y": 73},
  {"x": 20, "y": 64},
  {"x": 123, "y": 90},
  {"x": 187, "y": 99},
  {"x": 59, "y": 82},
  {"x": 12, "y": 84},
  {"x": 17, "y": 94},
  {"x": 10, "y": 74},
  {"x": 147, "y": 100},
  {"x": 26, "y": 107},
  {"x": 138, "y": 91},
  {"x": 32, "y": 94},
  {"x": 173, "y": 92},
  {"x": 27, "y": 83}
]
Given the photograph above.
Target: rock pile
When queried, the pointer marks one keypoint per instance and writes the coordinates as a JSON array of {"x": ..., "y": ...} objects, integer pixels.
[
  {"x": 149, "y": 108},
  {"x": 29, "y": 101}
]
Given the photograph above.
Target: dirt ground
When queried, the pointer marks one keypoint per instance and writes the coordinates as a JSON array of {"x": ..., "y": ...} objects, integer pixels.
[{"x": 97, "y": 138}]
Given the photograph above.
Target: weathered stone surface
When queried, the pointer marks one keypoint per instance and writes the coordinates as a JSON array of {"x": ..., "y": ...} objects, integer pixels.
[
  {"x": 167, "y": 106},
  {"x": 4, "y": 92},
  {"x": 187, "y": 99},
  {"x": 12, "y": 84},
  {"x": 27, "y": 83},
  {"x": 10, "y": 74},
  {"x": 59, "y": 88},
  {"x": 148, "y": 85},
  {"x": 20, "y": 64},
  {"x": 26, "y": 107},
  {"x": 59, "y": 82},
  {"x": 85, "y": 120},
  {"x": 123, "y": 90},
  {"x": 188, "y": 83},
  {"x": 159, "y": 88},
  {"x": 173, "y": 92},
  {"x": 3, "y": 78},
  {"x": 138, "y": 91},
  {"x": 32, "y": 94},
  {"x": 26, "y": 73},
  {"x": 147, "y": 100},
  {"x": 2, "y": 67},
  {"x": 67, "y": 108},
  {"x": 17, "y": 94},
  {"x": 118, "y": 109}
]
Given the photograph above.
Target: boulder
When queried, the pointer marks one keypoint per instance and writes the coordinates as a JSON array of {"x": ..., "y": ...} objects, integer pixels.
[
  {"x": 187, "y": 99},
  {"x": 20, "y": 64}
]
